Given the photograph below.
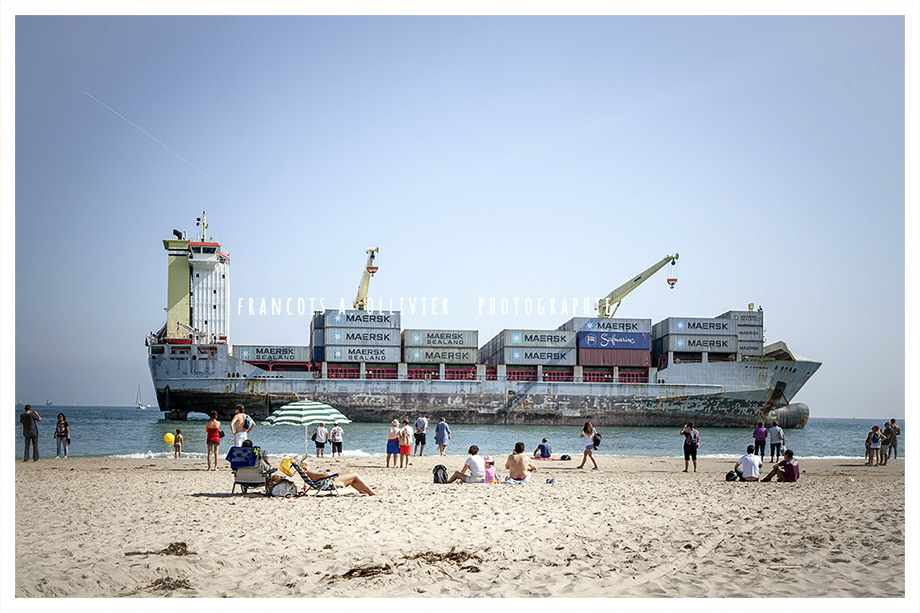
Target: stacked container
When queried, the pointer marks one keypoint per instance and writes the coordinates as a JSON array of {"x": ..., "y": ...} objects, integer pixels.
[
  {"x": 357, "y": 336},
  {"x": 750, "y": 331},
  {"x": 317, "y": 338},
  {"x": 695, "y": 335},
  {"x": 440, "y": 346},
  {"x": 268, "y": 354},
  {"x": 530, "y": 348},
  {"x": 612, "y": 342}
]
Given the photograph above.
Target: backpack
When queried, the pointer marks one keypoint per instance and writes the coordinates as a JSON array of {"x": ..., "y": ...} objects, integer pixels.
[
  {"x": 694, "y": 439},
  {"x": 731, "y": 476},
  {"x": 597, "y": 439},
  {"x": 440, "y": 473},
  {"x": 565, "y": 457}
]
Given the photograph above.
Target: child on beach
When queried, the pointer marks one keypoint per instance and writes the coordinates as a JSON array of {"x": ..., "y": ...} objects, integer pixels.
[
  {"x": 177, "y": 444},
  {"x": 490, "y": 469}
]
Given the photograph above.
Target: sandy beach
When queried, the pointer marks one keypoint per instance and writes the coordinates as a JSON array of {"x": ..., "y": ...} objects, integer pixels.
[{"x": 638, "y": 528}]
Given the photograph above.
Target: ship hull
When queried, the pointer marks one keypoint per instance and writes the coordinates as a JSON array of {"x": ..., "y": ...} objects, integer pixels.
[{"x": 746, "y": 393}]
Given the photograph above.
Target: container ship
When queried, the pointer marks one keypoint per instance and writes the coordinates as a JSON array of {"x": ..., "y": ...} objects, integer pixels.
[{"x": 611, "y": 371}]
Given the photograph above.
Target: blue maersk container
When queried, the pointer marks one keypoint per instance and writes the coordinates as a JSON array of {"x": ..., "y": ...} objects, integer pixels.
[{"x": 614, "y": 340}]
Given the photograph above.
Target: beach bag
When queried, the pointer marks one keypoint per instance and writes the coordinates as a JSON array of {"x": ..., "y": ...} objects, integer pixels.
[
  {"x": 284, "y": 488},
  {"x": 221, "y": 434},
  {"x": 313, "y": 437},
  {"x": 440, "y": 473},
  {"x": 565, "y": 458},
  {"x": 597, "y": 439},
  {"x": 731, "y": 476}
]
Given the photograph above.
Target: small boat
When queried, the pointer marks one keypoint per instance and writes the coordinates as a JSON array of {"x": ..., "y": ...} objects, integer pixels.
[
  {"x": 140, "y": 404},
  {"x": 48, "y": 403}
]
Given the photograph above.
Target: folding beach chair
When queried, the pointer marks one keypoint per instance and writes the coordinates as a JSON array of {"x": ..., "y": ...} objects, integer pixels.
[
  {"x": 246, "y": 463},
  {"x": 324, "y": 484}
]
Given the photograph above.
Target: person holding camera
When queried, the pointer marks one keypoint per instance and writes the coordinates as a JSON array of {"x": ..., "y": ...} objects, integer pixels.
[{"x": 691, "y": 444}]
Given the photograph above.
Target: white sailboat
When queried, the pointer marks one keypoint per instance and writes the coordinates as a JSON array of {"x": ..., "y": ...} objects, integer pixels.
[{"x": 140, "y": 404}]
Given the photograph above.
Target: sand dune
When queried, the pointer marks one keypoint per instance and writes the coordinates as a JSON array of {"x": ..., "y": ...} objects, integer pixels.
[{"x": 638, "y": 528}]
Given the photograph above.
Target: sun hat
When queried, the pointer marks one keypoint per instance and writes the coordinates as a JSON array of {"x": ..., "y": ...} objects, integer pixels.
[
  {"x": 487, "y": 459},
  {"x": 395, "y": 422}
]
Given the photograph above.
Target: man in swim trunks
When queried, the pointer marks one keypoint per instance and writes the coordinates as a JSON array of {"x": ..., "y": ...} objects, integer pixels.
[
  {"x": 421, "y": 428},
  {"x": 519, "y": 465},
  {"x": 543, "y": 450},
  {"x": 241, "y": 425}
]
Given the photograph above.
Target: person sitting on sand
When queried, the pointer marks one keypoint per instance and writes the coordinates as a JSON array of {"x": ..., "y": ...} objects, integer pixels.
[
  {"x": 749, "y": 466},
  {"x": 490, "y": 469},
  {"x": 543, "y": 450},
  {"x": 519, "y": 466},
  {"x": 345, "y": 479},
  {"x": 785, "y": 471},
  {"x": 475, "y": 465}
]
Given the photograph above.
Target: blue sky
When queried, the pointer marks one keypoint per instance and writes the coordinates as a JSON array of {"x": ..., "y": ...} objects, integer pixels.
[{"x": 549, "y": 157}]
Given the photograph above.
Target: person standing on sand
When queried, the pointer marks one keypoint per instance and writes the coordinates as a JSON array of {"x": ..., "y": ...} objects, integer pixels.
[
  {"x": 241, "y": 425},
  {"x": 320, "y": 435},
  {"x": 777, "y": 441},
  {"x": 336, "y": 436},
  {"x": 62, "y": 434},
  {"x": 886, "y": 445},
  {"x": 393, "y": 442},
  {"x": 212, "y": 428},
  {"x": 405, "y": 443},
  {"x": 875, "y": 443},
  {"x": 29, "y": 420},
  {"x": 895, "y": 433},
  {"x": 421, "y": 426},
  {"x": 442, "y": 435},
  {"x": 177, "y": 444},
  {"x": 588, "y": 434},
  {"x": 760, "y": 439},
  {"x": 691, "y": 444}
]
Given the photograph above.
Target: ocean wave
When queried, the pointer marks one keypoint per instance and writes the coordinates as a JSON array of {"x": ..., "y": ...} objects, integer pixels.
[{"x": 158, "y": 455}]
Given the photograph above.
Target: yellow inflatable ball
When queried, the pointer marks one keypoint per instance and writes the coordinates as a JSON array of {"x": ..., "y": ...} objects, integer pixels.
[{"x": 169, "y": 438}]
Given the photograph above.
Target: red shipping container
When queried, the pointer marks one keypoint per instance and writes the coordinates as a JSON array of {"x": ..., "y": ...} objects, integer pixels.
[{"x": 613, "y": 357}]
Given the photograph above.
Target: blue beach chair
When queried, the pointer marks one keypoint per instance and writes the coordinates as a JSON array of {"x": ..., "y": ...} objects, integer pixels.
[{"x": 246, "y": 463}]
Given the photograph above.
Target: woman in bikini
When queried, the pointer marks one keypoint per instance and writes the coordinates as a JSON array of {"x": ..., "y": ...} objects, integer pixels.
[{"x": 213, "y": 439}]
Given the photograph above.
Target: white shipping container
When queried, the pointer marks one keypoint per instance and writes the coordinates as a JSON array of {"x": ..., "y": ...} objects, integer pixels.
[
  {"x": 361, "y": 319},
  {"x": 537, "y": 338},
  {"x": 440, "y": 355},
  {"x": 440, "y": 338},
  {"x": 272, "y": 353},
  {"x": 699, "y": 344},
  {"x": 749, "y": 348},
  {"x": 362, "y": 337},
  {"x": 711, "y": 326},
  {"x": 745, "y": 318},
  {"x": 602, "y": 324},
  {"x": 386, "y": 355},
  {"x": 548, "y": 356},
  {"x": 750, "y": 333}
]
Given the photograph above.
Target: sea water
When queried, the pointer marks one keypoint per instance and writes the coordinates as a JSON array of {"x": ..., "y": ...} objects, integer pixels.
[{"x": 128, "y": 432}]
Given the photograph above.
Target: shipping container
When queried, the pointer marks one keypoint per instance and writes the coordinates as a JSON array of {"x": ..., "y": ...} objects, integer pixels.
[
  {"x": 439, "y": 355},
  {"x": 592, "y": 324},
  {"x": 695, "y": 325},
  {"x": 536, "y": 338},
  {"x": 531, "y": 356},
  {"x": 319, "y": 354},
  {"x": 270, "y": 353},
  {"x": 361, "y": 319},
  {"x": 614, "y": 340},
  {"x": 696, "y": 344},
  {"x": 318, "y": 338},
  {"x": 613, "y": 357},
  {"x": 387, "y": 355},
  {"x": 750, "y": 333},
  {"x": 440, "y": 338},
  {"x": 317, "y": 321},
  {"x": 749, "y": 348},
  {"x": 747, "y": 318},
  {"x": 361, "y": 337}
]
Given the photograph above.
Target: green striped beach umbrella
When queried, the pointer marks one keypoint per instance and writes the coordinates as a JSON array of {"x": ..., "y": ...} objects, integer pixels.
[{"x": 303, "y": 413}]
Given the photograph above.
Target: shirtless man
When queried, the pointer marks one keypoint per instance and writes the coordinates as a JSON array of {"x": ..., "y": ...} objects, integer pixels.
[
  {"x": 241, "y": 425},
  {"x": 519, "y": 465}
]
